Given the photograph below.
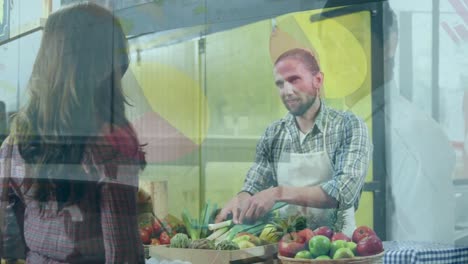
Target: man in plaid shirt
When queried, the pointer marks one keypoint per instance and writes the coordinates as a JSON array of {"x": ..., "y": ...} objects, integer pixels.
[{"x": 315, "y": 158}]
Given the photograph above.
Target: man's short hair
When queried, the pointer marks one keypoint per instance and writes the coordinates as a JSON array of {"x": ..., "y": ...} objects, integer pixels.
[{"x": 305, "y": 56}]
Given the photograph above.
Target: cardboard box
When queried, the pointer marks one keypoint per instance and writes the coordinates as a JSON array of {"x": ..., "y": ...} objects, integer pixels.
[{"x": 263, "y": 254}]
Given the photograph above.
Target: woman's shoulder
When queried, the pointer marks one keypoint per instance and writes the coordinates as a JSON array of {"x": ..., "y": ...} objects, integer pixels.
[
  {"x": 10, "y": 150},
  {"x": 7, "y": 147},
  {"x": 3, "y": 148}
]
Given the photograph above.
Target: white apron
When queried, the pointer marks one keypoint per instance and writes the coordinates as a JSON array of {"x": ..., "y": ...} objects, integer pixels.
[{"x": 309, "y": 169}]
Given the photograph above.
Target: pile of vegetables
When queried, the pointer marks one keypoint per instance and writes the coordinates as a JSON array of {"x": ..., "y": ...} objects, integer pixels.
[
  {"x": 155, "y": 231},
  {"x": 198, "y": 227},
  {"x": 204, "y": 234}
]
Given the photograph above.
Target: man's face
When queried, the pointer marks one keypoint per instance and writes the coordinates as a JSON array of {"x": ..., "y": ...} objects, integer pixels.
[{"x": 298, "y": 87}]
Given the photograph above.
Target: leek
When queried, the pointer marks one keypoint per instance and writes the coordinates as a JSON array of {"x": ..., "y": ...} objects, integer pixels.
[
  {"x": 219, "y": 225},
  {"x": 217, "y": 233},
  {"x": 221, "y": 237},
  {"x": 206, "y": 217},
  {"x": 252, "y": 229},
  {"x": 190, "y": 225}
]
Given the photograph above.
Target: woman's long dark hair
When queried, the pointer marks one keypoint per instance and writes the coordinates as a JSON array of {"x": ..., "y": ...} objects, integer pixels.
[{"x": 74, "y": 91}]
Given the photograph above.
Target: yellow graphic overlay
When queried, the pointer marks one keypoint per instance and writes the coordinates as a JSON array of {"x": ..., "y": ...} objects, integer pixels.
[
  {"x": 341, "y": 56},
  {"x": 175, "y": 96}
]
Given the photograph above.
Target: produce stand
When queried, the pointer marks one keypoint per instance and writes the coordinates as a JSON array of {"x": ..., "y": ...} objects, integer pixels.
[
  {"x": 396, "y": 252},
  {"x": 262, "y": 254}
]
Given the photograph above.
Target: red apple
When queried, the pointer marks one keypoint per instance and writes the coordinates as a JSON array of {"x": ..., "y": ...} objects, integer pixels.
[
  {"x": 164, "y": 238},
  {"x": 145, "y": 237},
  {"x": 156, "y": 227},
  {"x": 362, "y": 232},
  {"x": 340, "y": 236},
  {"x": 370, "y": 245},
  {"x": 290, "y": 244},
  {"x": 324, "y": 231},
  {"x": 307, "y": 234}
]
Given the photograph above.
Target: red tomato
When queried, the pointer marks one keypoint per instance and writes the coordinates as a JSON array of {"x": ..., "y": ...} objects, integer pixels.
[
  {"x": 164, "y": 239},
  {"x": 145, "y": 237},
  {"x": 156, "y": 227},
  {"x": 148, "y": 229}
]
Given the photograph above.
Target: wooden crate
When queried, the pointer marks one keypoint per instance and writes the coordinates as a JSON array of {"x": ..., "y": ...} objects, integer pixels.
[{"x": 262, "y": 254}]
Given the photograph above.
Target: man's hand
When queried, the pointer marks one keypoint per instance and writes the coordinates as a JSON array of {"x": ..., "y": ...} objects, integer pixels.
[
  {"x": 235, "y": 206},
  {"x": 258, "y": 205}
]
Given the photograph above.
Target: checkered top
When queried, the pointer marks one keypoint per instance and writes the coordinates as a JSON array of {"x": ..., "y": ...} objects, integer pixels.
[{"x": 424, "y": 252}]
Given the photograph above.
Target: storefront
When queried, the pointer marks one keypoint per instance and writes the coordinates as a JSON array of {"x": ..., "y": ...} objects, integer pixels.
[{"x": 202, "y": 90}]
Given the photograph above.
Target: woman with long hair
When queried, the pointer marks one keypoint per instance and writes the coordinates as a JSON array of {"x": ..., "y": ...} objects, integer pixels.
[{"x": 72, "y": 158}]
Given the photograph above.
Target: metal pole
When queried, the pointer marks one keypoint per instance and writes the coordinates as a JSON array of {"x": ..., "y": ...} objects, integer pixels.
[
  {"x": 378, "y": 122},
  {"x": 435, "y": 60}
]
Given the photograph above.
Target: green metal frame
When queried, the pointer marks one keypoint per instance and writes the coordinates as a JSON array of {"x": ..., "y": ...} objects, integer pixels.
[{"x": 5, "y": 23}]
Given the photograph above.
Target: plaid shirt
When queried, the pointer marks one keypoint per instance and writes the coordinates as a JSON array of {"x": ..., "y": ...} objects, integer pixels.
[
  {"x": 347, "y": 144},
  {"x": 102, "y": 227}
]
